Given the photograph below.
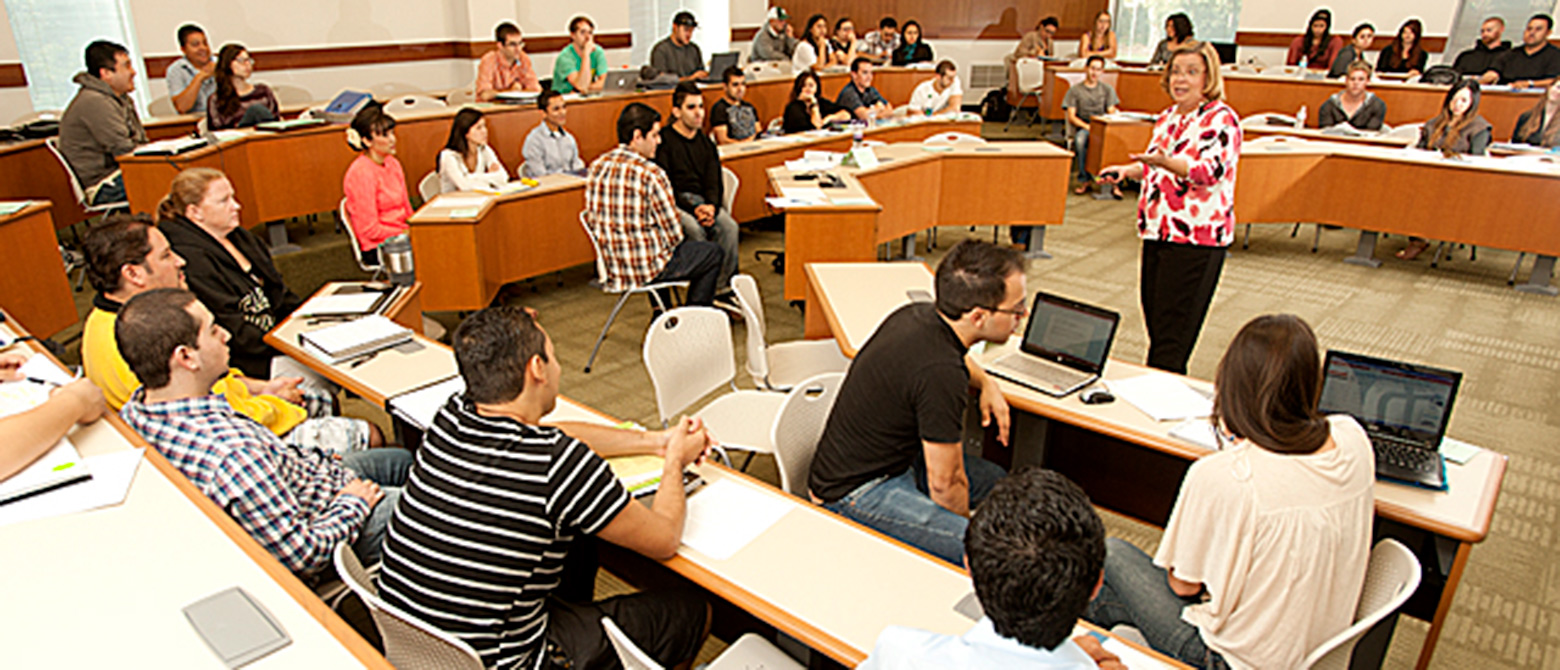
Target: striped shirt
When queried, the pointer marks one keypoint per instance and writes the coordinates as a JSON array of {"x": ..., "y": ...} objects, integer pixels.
[
  {"x": 488, "y": 514},
  {"x": 629, "y": 208}
]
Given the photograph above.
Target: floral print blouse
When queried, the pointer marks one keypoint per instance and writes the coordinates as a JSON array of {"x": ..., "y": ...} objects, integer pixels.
[{"x": 1199, "y": 208}]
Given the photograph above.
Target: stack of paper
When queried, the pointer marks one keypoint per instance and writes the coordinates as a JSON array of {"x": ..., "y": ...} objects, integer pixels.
[
  {"x": 726, "y": 516},
  {"x": 170, "y": 147},
  {"x": 1161, "y": 396},
  {"x": 338, "y": 343}
]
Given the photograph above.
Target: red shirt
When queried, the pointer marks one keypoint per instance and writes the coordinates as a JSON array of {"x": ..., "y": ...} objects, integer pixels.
[
  {"x": 377, "y": 205},
  {"x": 1200, "y": 207}
]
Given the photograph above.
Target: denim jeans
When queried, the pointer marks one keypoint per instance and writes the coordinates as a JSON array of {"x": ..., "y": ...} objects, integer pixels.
[
  {"x": 723, "y": 232},
  {"x": 112, "y": 190},
  {"x": 1080, "y": 149},
  {"x": 1137, "y": 593},
  {"x": 386, "y": 467},
  {"x": 698, "y": 263},
  {"x": 900, "y": 507}
]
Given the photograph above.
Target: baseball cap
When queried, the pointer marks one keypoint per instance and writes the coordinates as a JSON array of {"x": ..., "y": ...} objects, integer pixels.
[
  {"x": 778, "y": 14},
  {"x": 685, "y": 18}
]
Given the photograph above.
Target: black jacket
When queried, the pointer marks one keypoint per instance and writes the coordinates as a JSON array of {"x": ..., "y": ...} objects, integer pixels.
[
  {"x": 1479, "y": 59},
  {"x": 693, "y": 166},
  {"x": 247, "y": 304}
]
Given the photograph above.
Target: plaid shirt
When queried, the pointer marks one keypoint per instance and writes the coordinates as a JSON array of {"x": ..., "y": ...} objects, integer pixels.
[
  {"x": 628, "y": 206},
  {"x": 283, "y": 494}
]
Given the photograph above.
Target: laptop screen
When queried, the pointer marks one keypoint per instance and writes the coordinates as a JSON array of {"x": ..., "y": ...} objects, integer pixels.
[
  {"x": 1400, "y": 399},
  {"x": 1070, "y": 332}
]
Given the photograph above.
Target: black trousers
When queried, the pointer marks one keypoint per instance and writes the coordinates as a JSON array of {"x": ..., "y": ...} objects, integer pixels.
[
  {"x": 698, "y": 262},
  {"x": 1176, "y": 285}
]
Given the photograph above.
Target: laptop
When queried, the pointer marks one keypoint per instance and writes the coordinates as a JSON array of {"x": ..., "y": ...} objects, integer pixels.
[
  {"x": 1404, "y": 408},
  {"x": 621, "y": 81},
  {"x": 1064, "y": 349},
  {"x": 718, "y": 64}
]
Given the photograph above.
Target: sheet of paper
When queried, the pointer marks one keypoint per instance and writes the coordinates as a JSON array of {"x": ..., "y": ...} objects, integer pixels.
[
  {"x": 419, "y": 407},
  {"x": 465, "y": 212},
  {"x": 111, "y": 478},
  {"x": 811, "y": 194},
  {"x": 1198, "y": 432},
  {"x": 19, "y": 396},
  {"x": 1458, "y": 451},
  {"x": 461, "y": 201},
  {"x": 1161, "y": 396},
  {"x": 340, "y": 303},
  {"x": 1130, "y": 656},
  {"x": 826, "y": 157},
  {"x": 788, "y": 203},
  {"x": 725, "y": 516},
  {"x": 850, "y": 201},
  {"x": 40, "y": 367},
  {"x": 58, "y": 464}
]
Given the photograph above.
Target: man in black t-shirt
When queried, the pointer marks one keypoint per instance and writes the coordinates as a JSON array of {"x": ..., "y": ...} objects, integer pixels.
[
  {"x": 1533, "y": 65},
  {"x": 692, "y": 163},
  {"x": 1481, "y": 58},
  {"x": 891, "y": 456},
  {"x": 733, "y": 119}
]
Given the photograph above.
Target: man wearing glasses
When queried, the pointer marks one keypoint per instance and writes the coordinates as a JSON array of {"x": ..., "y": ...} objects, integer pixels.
[
  {"x": 506, "y": 68},
  {"x": 892, "y": 454}
]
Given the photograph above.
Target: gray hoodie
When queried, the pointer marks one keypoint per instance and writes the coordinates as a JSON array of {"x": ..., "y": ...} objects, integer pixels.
[{"x": 98, "y": 125}]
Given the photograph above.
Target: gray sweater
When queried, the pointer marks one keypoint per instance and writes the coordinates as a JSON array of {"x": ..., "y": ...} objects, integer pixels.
[
  {"x": 98, "y": 125},
  {"x": 1370, "y": 115},
  {"x": 768, "y": 46}
]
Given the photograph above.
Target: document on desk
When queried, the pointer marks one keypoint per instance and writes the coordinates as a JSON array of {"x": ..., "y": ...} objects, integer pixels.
[
  {"x": 340, "y": 304},
  {"x": 461, "y": 201},
  {"x": 111, "y": 477},
  {"x": 1161, "y": 396},
  {"x": 726, "y": 516},
  {"x": 812, "y": 195}
]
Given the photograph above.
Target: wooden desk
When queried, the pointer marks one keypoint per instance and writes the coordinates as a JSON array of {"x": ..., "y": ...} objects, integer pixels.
[
  {"x": 107, "y": 587},
  {"x": 32, "y": 277},
  {"x": 1112, "y": 140},
  {"x": 1147, "y": 464},
  {"x": 393, "y": 372}
]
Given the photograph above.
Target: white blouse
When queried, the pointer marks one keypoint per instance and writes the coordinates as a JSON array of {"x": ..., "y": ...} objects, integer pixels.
[
  {"x": 453, "y": 175},
  {"x": 806, "y": 56}
]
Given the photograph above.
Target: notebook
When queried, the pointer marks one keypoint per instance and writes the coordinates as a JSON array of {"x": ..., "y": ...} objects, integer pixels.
[
  {"x": 59, "y": 466},
  {"x": 1064, "y": 349},
  {"x": 342, "y": 342},
  {"x": 1404, "y": 408}
]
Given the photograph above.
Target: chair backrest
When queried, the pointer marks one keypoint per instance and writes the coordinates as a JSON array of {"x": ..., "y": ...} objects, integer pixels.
[
  {"x": 352, "y": 240},
  {"x": 688, "y": 354},
  {"x": 630, "y": 654},
  {"x": 412, "y": 103},
  {"x": 391, "y": 89},
  {"x": 461, "y": 96},
  {"x": 729, "y": 185},
  {"x": 595, "y": 247},
  {"x": 288, "y": 95},
  {"x": 53, "y": 143},
  {"x": 1031, "y": 73},
  {"x": 799, "y": 426},
  {"x": 953, "y": 137},
  {"x": 752, "y": 304},
  {"x": 1391, "y": 577},
  {"x": 1072, "y": 78},
  {"x": 428, "y": 186},
  {"x": 40, "y": 115},
  {"x": 162, "y": 106},
  {"x": 409, "y": 642}
]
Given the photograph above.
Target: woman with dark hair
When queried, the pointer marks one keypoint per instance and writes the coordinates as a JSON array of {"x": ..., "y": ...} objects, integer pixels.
[
  {"x": 1404, "y": 54},
  {"x": 238, "y": 103},
  {"x": 375, "y": 185},
  {"x": 1265, "y": 552},
  {"x": 1458, "y": 129},
  {"x": 1364, "y": 35},
  {"x": 808, "y": 110},
  {"x": 1318, "y": 46},
  {"x": 1178, "y": 33},
  {"x": 467, "y": 163},
  {"x": 1540, "y": 126},
  {"x": 914, "y": 49},
  {"x": 814, "y": 51}
]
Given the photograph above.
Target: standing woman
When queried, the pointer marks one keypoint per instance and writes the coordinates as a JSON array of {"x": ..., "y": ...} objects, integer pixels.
[
  {"x": 238, "y": 103},
  {"x": 375, "y": 185},
  {"x": 1458, "y": 129},
  {"x": 1318, "y": 46},
  {"x": 914, "y": 49},
  {"x": 1178, "y": 34},
  {"x": 814, "y": 51},
  {"x": 1404, "y": 55},
  {"x": 467, "y": 163},
  {"x": 1186, "y": 214},
  {"x": 1098, "y": 42},
  {"x": 1540, "y": 126},
  {"x": 1354, "y": 105}
]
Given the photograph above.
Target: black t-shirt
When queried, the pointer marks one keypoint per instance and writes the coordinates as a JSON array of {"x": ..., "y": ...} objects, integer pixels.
[
  {"x": 1517, "y": 65},
  {"x": 693, "y": 167},
  {"x": 908, "y": 384},
  {"x": 740, "y": 122},
  {"x": 797, "y": 120},
  {"x": 1480, "y": 59}
]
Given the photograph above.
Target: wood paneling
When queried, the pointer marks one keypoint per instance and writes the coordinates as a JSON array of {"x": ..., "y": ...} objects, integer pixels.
[
  {"x": 375, "y": 54},
  {"x": 960, "y": 19},
  {"x": 32, "y": 279},
  {"x": 12, "y": 75}
]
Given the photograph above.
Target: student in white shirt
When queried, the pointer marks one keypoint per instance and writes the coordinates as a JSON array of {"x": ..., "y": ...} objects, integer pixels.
[
  {"x": 1265, "y": 552},
  {"x": 815, "y": 51},
  {"x": 467, "y": 163},
  {"x": 942, "y": 94}
]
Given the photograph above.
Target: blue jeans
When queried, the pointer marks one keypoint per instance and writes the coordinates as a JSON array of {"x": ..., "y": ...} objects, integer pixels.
[
  {"x": 386, "y": 467},
  {"x": 900, "y": 507},
  {"x": 111, "y": 191},
  {"x": 1080, "y": 149},
  {"x": 724, "y": 233},
  {"x": 1137, "y": 593}
]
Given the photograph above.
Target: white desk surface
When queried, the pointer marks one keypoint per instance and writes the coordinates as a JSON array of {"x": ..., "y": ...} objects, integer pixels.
[{"x": 857, "y": 296}]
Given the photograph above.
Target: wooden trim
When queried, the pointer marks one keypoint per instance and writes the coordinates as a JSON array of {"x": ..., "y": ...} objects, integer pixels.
[
  {"x": 1281, "y": 40},
  {"x": 12, "y": 75},
  {"x": 744, "y": 34},
  {"x": 1427, "y": 650}
]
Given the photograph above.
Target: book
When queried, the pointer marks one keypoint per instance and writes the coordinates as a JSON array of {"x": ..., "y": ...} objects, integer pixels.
[{"x": 341, "y": 342}]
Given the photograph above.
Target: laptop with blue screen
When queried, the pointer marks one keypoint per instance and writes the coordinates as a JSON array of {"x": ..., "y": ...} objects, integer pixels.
[{"x": 1404, "y": 408}]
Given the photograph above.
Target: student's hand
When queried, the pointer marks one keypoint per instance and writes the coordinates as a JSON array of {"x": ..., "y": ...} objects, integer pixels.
[
  {"x": 285, "y": 388},
  {"x": 705, "y": 214},
  {"x": 88, "y": 398},
  {"x": 1519, "y": 85},
  {"x": 1096, "y": 651},
  {"x": 789, "y": 31},
  {"x": 994, "y": 406},
  {"x": 688, "y": 442},
  {"x": 11, "y": 365},
  {"x": 210, "y": 69},
  {"x": 364, "y": 489}
]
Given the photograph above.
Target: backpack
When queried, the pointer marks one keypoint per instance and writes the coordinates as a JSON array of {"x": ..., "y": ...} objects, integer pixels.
[
  {"x": 1443, "y": 75},
  {"x": 994, "y": 107}
]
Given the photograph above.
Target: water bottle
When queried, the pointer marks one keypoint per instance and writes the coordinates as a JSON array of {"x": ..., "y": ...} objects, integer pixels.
[
  {"x": 1300, "y": 117},
  {"x": 856, "y": 132},
  {"x": 1301, "y": 73},
  {"x": 396, "y": 253}
]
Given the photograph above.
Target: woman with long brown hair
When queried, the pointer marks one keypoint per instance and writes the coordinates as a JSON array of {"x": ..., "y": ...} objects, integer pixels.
[
  {"x": 1405, "y": 55},
  {"x": 237, "y": 102},
  {"x": 1318, "y": 46},
  {"x": 1540, "y": 126},
  {"x": 1458, "y": 129}
]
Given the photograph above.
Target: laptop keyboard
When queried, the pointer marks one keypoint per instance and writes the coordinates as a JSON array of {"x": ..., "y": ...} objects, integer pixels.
[
  {"x": 1406, "y": 455},
  {"x": 1044, "y": 373}
]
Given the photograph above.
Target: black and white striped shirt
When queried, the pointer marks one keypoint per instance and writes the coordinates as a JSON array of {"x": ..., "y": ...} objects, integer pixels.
[{"x": 488, "y": 513}]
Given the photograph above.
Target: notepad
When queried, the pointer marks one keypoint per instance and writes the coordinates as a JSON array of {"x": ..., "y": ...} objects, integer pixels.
[
  {"x": 171, "y": 147},
  {"x": 1458, "y": 451},
  {"x": 369, "y": 334},
  {"x": 341, "y": 304},
  {"x": 808, "y": 194},
  {"x": 1161, "y": 396},
  {"x": 461, "y": 201},
  {"x": 420, "y": 406},
  {"x": 727, "y": 516}
]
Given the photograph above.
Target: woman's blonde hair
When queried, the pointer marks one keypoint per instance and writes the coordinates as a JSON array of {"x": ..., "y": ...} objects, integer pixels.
[
  {"x": 188, "y": 188},
  {"x": 1213, "y": 81}
]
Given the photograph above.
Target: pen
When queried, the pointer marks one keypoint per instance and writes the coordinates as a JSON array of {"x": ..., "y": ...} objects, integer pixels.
[
  {"x": 45, "y": 382},
  {"x": 363, "y": 359}
]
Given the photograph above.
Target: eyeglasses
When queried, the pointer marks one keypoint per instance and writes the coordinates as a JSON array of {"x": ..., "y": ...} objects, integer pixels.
[
  {"x": 247, "y": 60},
  {"x": 515, "y": 45},
  {"x": 1019, "y": 313}
]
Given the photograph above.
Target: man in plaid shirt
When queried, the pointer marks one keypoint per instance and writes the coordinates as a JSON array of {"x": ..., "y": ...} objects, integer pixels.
[
  {"x": 297, "y": 502},
  {"x": 629, "y": 208}
]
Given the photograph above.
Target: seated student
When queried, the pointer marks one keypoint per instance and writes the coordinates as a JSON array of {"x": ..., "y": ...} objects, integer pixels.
[
  {"x": 939, "y": 94},
  {"x": 1035, "y": 550},
  {"x": 189, "y": 78},
  {"x": 807, "y": 110},
  {"x": 467, "y": 163},
  {"x": 297, "y": 502},
  {"x": 1265, "y": 551},
  {"x": 775, "y": 41},
  {"x": 859, "y": 97},
  {"x": 375, "y": 184},
  {"x": 101, "y": 123},
  {"x": 548, "y": 148},
  {"x": 846, "y": 45},
  {"x": 1318, "y": 46},
  {"x": 1481, "y": 58},
  {"x": 1405, "y": 55},
  {"x": 238, "y": 103},
  {"x": 1458, "y": 128},
  {"x": 732, "y": 119},
  {"x": 879, "y": 45},
  {"x": 1364, "y": 35},
  {"x": 891, "y": 456},
  {"x": 692, "y": 163},
  {"x": 582, "y": 65},
  {"x": 631, "y": 213},
  {"x": 497, "y": 502},
  {"x": 1101, "y": 41},
  {"x": 25, "y": 436},
  {"x": 1178, "y": 33},
  {"x": 1354, "y": 105},
  {"x": 914, "y": 49},
  {"x": 507, "y": 67},
  {"x": 1534, "y": 65},
  {"x": 1038, "y": 43},
  {"x": 677, "y": 54},
  {"x": 815, "y": 51},
  {"x": 1540, "y": 126},
  {"x": 1084, "y": 101},
  {"x": 127, "y": 256}
]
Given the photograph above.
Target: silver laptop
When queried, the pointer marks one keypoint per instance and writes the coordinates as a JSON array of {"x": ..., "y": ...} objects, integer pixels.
[
  {"x": 1064, "y": 349},
  {"x": 1404, "y": 408},
  {"x": 621, "y": 81}
]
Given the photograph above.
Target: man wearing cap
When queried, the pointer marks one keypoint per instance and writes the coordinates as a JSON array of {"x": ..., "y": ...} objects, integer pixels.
[
  {"x": 774, "y": 41},
  {"x": 677, "y": 53}
]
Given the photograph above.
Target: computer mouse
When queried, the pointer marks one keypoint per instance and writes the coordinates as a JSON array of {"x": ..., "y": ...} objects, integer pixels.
[{"x": 1096, "y": 396}]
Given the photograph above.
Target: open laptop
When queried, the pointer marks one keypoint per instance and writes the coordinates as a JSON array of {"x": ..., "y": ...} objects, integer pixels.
[
  {"x": 1404, "y": 408},
  {"x": 1064, "y": 348},
  {"x": 718, "y": 64},
  {"x": 621, "y": 81}
]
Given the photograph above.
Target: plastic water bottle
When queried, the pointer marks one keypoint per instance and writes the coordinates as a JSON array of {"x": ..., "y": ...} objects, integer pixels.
[
  {"x": 856, "y": 132},
  {"x": 1300, "y": 117},
  {"x": 1301, "y": 73}
]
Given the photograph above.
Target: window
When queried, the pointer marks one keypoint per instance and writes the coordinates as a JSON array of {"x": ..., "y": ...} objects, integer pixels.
[
  {"x": 651, "y": 21},
  {"x": 52, "y": 36},
  {"x": 1140, "y": 24},
  {"x": 1472, "y": 13}
]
